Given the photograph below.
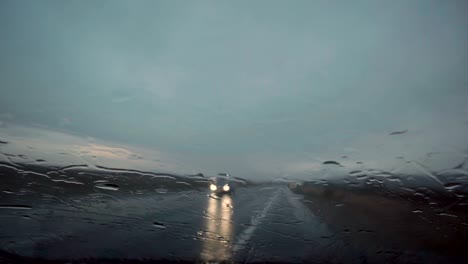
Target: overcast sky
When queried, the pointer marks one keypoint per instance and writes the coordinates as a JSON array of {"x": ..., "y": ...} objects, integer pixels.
[{"x": 258, "y": 88}]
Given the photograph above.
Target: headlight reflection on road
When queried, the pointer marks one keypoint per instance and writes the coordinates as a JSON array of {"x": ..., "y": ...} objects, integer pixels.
[{"x": 218, "y": 233}]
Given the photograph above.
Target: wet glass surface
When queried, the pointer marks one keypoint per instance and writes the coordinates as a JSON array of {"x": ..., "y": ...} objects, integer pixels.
[{"x": 340, "y": 128}]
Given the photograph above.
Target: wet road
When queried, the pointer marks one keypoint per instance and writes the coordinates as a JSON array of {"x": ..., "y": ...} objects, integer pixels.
[{"x": 254, "y": 224}]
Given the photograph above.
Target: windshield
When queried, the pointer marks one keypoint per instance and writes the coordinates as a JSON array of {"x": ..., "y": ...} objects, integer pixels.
[{"x": 341, "y": 128}]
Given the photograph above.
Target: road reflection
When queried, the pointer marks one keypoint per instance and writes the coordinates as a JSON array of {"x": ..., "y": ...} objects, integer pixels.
[{"x": 218, "y": 233}]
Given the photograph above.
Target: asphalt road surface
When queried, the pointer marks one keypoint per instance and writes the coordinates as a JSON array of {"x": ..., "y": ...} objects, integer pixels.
[
  {"x": 249, "y": 225},
  {"x": 254, "y": 224}
]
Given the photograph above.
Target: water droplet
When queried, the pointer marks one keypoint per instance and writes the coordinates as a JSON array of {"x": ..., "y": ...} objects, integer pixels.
[
  {"x": 417, "y": 211},
  {"x": 159, "y": 225},
  {"x": 393, "y": 179},
  {"x": 448, "y": 215},
  {"x": 183, "y": 183},
  {"x": 100, "y": 181},
  {"x": 362, "y": 176},
  {"x": 451, "y": 186},
  {"x": 107, "y": 186},
  {"x": 331, "y": 162},
  {"x": 213, "y": 197},
  {"x": 161, "y": 190},
  {"x": 399, "y": 132},
  {"x": 70, "y": 182},
  {"x": 16, "y": 207},
  {"x": 52, "y": 173},
  {"x": 74, "y": 167}
]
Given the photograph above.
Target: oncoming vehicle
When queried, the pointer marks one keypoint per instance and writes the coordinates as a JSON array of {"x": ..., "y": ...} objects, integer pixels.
[{"x": 221, "y": 185}]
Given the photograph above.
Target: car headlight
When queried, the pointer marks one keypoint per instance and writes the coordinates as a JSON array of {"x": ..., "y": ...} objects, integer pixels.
[
  {"x": 213, "y": 187},
  {"x": 226, "y": 188}
]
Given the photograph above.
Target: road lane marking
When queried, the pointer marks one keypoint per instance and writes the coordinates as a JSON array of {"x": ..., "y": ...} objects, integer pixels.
[{"x": 245, "y": 236}]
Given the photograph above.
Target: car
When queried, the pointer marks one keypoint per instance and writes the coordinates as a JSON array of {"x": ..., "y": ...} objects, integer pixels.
[{"x": 221, "y": 185}]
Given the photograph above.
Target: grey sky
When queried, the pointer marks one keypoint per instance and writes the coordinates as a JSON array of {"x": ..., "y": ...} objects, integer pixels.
[{"x": 258, "y": 88}]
